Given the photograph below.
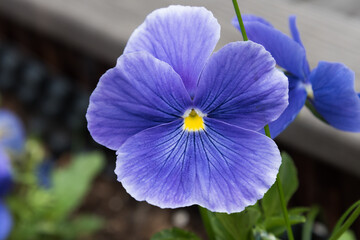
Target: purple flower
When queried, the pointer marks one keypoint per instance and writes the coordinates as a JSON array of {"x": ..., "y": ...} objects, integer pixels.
[
  {"x": 5, "y": 185},
  {"x": 185, "y": 124},
  {"x": 5, "y": 174},
  {"x": 329, "y": 88},
  {"x": 12, "y": 137}
]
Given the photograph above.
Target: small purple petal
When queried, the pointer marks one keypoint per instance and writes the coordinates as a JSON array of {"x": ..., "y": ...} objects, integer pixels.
[
  {"x": 294, "y": 31},
  {"x": 297, "y": 98},
  {"x": 240, "y": 85},
  {"x": 139, "y": 93},
  {"x": 222, "y": 168},
  {"x": 182, "y": 36},
  {"x": 250, "y": 18},
  {"x": 5, "y": 222},
  {"x": 5, "y": 174},
  {"x": 296, "y": 36},
  {"x": 12, "y": 137},
  {"x": 288, "y": 53},
  {"x": 334, "y": 95}
]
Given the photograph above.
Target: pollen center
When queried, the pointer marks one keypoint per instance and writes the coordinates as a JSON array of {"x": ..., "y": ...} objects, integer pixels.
[{"x": 193, "y": 120}]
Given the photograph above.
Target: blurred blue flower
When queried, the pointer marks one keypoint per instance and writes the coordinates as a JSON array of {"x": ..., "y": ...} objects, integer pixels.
[
  {"x": 12, "y": 137},
  {"x": 185, "y": 124},
  {"x": 44, "y": 171},
  {"x": 5, "y": 185},
  {"x": 329, "y": 88}
]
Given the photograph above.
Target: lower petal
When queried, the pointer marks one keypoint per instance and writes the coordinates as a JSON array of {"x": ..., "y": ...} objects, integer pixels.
[
  {"x": 335, "y": 97},
  {"x": 6, "y": 222},
  {"x": 223, "y": 168}
]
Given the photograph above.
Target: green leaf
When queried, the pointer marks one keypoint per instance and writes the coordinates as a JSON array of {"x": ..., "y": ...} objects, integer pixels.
[
  {"x": 299, "y": 210},
  {"x": 83, "y": 225},
  {"x": 343, "y": 225},
  {"x": 70, "y": 184},
  {"x": 288, "y": 176},
  {"x": 206, "y": 218},
  {"x": 233, "y": 226},
  {"x": 348, "y": 235},
  {"x": 276, "y": 224},
  {"x": 308, "y": 226},
  {"x": 175, "y": 234}
]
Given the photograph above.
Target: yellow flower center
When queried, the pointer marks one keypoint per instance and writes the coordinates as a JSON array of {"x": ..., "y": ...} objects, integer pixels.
[{"x": 193, "y": 120}]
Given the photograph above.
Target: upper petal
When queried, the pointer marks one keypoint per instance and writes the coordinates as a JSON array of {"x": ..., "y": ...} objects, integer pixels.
[
  {"x": 250, "y": 18},
  {"x": 5, "y": 174},
  {"x": 140, "y": 92},
  {"x": 6, "y": 222},
  {"x": 335, "y": 97},
  {"x": 240, "y": 85},
  {"x": 288, "y": 53},
  {"x": 223, "y": 168},
  {"x": 297, "y": 98},
  {"x": 182, "y": 36},
  {"x": 296, "y": 36},
  {"x": 12, "y": 137}
]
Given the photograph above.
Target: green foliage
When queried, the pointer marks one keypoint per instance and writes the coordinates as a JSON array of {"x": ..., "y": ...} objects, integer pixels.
[
  {"x": 346, "y": 220},
  {"x": 288, "y": 176},
  {"x": 231, "y": 226},
  {"x": 174, "y": 234},
  {"x": 41, "y": 213},
  {"x": 348, "y": 235},
  {"x": 308, "y": 226},
  {"x": 72, "y": 183}
]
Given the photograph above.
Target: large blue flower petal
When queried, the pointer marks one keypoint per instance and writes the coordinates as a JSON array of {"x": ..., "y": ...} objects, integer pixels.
[
  {"x": 12, "y": 137},
  {"x": 182, "y": 36},
  {"x": 5, "y": 222},
  {"x": 240, "y": 85},
  {"x": 223, "y": 168},
  {"x": 140, "y": 92},
  {"x": 288, "y": 54},
  {"x": 334, "y": 95},
  {"x": 297, "y": 98},
  {"x": 5, "y": 173}
]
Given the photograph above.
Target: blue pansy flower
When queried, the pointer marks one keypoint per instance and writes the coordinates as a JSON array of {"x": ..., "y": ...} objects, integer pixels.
[
  {"x": 5, "y": 185},
  {"x": 185, "y": 124},
  {"x": 329, "y": 88},
  {"x": 12, "y": 136}
]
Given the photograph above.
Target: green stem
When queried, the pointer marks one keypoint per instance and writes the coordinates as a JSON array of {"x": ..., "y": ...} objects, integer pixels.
[
  {"x": 267, "y": 131},
  {"x": 346, "y": 225},
  {"x": 281, "y": 195},
  {"x": 284, "y": 209},
  {"x": 238, "y": 14}
]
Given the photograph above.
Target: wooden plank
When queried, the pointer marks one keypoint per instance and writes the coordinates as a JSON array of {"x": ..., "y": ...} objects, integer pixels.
[{"x": 103, "y": 27}]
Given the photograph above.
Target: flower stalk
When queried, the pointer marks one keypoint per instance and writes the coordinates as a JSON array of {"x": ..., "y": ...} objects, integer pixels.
[{"x": 238, "y": 15}]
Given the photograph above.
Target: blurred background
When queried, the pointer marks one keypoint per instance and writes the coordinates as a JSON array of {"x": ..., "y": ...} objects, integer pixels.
[{"x": 52, "y": 53}]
